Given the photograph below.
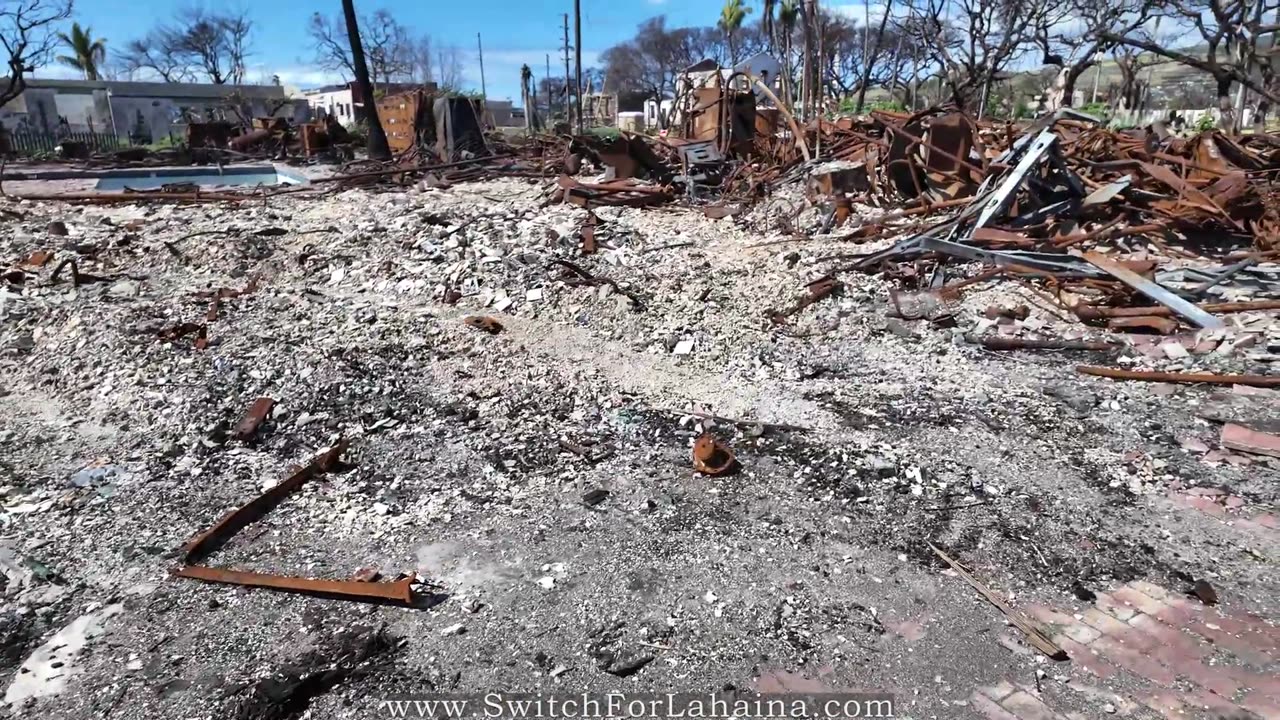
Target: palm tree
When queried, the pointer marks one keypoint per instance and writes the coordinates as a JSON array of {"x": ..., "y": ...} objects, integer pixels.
[
  {"x": 87, "y": 53},
  {"x": 731, "y": 17}
]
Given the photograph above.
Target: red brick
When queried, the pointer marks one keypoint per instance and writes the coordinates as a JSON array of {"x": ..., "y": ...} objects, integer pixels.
[
  {"x": 1267, "y": 521},
  {"x": 1214, "y": 678},
  {"x": 1174, "y": 640},
  {"x": 1268, "y": 706},
  {"x": 1118, "y": 630},
  {"x": 1257, "y": 633},
  {"x": 1114, "y": 607},
  {"x": 990, "y": 709},
  {"x": 1027, "y": 707},
  {"x": 1207, "y": 506},
  {"x": 1242, "y": 648},
  {"x": 1239, "y": 437},
  {"x": 1205, "y": 700},
  {"x": 1167, "y": 705},
  {"x": 1139, "y": 601},
  {"x": 1048, "y": 615},
  {"x": 1085, "y": 658},
  {"x": 1257, "y": 683},
  {"x": 1134, "y": 661}
]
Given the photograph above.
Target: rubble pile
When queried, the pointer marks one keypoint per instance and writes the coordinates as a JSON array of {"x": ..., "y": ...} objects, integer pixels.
[{"x": 641, "y": 413}]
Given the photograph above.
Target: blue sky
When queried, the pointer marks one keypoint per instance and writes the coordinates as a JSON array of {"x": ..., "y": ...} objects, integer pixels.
[{"x": 514, "y": 31}]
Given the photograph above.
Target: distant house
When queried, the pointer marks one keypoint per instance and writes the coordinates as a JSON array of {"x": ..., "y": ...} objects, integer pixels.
[
  {"x": 145, "y": 111},
  {"x": 344, "y": 102}
]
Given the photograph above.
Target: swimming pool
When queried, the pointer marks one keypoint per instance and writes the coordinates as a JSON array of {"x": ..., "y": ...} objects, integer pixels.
[{"x": 151, "y": 179}]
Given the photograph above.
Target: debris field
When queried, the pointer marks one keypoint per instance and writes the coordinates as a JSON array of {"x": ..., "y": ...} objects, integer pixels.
[{"x": 985, "y": 416}]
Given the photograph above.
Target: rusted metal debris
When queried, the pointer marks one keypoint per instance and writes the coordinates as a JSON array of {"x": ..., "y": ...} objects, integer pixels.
[
  {"x": 183, "y": 329},
  {"x": 400, "y": 591},
  {"x": 485, "y": 323},
  {"x": 712, "y": 457},
  {"x": 581, "y": 277},
  {"x": 257, "y": 414},
  {"x": 206, "y": 543},
  {"x": 823, "y": 287},
  {"x": 1265, "y": 381}
]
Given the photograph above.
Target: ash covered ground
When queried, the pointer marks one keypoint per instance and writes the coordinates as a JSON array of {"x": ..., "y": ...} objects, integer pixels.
[{"x": 808, "y": 569}]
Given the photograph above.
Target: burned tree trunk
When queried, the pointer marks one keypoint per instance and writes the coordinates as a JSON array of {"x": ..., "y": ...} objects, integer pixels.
[{"x": 378, "y": 148}]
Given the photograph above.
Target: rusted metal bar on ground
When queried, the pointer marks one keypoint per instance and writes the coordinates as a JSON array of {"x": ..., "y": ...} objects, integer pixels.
[
  {"x": 1000, "y": 342},
  {"x": 1037, "y": 638},
  {"x": 1162, "y": 325},
  {"x": 1265, "y": 381},
  {"x": 209, "y": 541},
  {"x": 1095, "y": 312},
  {"x": 1154, "y": 291},
  {"x": 590, "y": 279},
  {"x": 400, "y": 591},
  {"x": 258, "y": 412},
  {"x": 818, "y": 289}
]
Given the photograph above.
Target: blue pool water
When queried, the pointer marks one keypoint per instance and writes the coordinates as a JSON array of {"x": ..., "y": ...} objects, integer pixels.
[{"x": 204, "y": 177}]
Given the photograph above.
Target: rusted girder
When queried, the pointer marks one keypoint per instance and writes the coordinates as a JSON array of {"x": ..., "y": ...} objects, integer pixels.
[
  {"x": 1170, "y": 377},
  {"x": 399, "y": 591},
  {"x": 258, "y": 412},
  {"x": 206, "y": 543}
]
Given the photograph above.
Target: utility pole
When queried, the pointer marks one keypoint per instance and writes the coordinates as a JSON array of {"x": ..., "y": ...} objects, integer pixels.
[
  {"x": 484, "y": 93},
  {"x": 577, "y": 60},
  {"x": 566, "y": 67},
  {"x": 547, "y": 79}
]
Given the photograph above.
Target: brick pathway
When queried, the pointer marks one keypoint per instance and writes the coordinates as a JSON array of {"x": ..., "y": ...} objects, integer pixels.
[{"x": 1188, "y": 659}]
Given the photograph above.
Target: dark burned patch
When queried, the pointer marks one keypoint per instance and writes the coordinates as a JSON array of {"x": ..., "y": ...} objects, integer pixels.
[{"x": 288, "y": 693}]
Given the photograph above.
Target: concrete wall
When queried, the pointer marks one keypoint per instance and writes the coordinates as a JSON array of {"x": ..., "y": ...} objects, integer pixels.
[{"x": 155, "y": 117}]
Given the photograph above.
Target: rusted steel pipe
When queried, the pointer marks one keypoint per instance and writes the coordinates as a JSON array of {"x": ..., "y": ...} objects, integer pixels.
[
  {"x": 1169, "y": 377},
  {"x": 1093, "y": 312}
]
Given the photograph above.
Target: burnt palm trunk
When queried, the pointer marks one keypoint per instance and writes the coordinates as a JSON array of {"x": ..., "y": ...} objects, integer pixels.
[{"x": 377, "y": 148}]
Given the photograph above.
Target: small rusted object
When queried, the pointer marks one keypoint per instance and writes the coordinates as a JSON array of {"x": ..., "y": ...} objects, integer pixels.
[
  {"x": 400, "y": 591},
  {"x": 589, "y": 234},
  {"x": 485, "y": 323},
  {"x": 258, "y": 412},
  {"x": 844, "y": 208},
  {"x": 1018, "y": 312},
  {"x": 712, "y": 457},
  {"x": 1205, "y": 592},
  {"x": 181, "y": 330},
  {"x": 38, "y": 258}
]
